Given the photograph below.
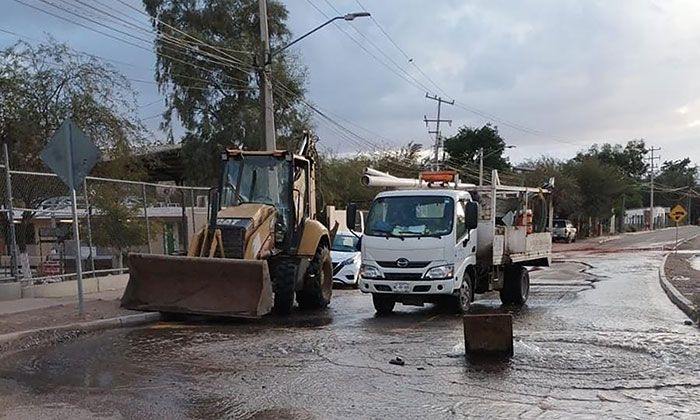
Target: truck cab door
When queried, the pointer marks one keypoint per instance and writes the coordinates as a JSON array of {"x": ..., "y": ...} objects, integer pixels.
[{"x": 463, "y": 241}]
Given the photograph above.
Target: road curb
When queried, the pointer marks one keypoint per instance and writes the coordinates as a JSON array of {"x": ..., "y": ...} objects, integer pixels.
[
  {"x": 684, "y": 241},
  {"x": 675, "y": 296},
  {"x": 30, "y": 338}
]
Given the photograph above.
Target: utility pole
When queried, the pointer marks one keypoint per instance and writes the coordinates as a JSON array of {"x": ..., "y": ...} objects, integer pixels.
[
  {"x": 622, "y": 215},
  {"x": 481, "y": 166},
  {"x": 689, "y": 220},
  {"x": 690, "y": 203},
  {"x": 10, "y": 215},
  {"x": 652, "y": 159},
  {"x": 266, "y": 76},
  {"x": 437, "y": 121}
]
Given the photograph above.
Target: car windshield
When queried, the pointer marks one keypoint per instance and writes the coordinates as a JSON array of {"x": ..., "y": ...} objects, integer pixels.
[
  {"x": 410, "y": 216},
  {"x": 559, "y": 223},
  {"x": 344, "y": 242}
]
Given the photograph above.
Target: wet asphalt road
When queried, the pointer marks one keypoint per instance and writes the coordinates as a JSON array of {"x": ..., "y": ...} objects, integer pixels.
[{"x": 598, "y": 338}]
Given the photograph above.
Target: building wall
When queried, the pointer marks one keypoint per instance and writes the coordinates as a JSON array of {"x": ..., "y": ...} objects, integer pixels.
[{"x": 640, "y": 217}]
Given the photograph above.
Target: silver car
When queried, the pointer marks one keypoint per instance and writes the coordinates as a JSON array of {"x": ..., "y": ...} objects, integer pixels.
[{"x": 563, "y": 230}]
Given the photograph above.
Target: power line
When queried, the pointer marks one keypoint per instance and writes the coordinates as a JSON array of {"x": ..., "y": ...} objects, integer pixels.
[
  {"x": 381, "y": 51},
  {"x": 401, "y": 50},
  {"x": 81, "y": 25},
  {"x": 370, "y": 53}
]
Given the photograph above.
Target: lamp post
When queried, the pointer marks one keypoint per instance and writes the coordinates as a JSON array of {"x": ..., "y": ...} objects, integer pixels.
[
  {"x": 348, "y": 17},
  {"x": 268, "y": 108}
]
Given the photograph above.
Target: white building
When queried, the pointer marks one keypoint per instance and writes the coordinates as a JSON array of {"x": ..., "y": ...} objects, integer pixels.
[{"x": 640, "y": 217}]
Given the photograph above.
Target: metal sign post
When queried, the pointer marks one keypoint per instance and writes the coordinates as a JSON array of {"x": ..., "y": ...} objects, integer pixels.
[
  {"x": 10, "y": 216},
  {"x": 71, "y": 155},
  {"x": 677, "y": 214},
  {"x": 76, "y": 230}
]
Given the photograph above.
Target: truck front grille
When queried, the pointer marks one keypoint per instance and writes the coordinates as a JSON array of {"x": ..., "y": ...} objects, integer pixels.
[
  {"x": 403, "y": 276},
  {"x": 410, "y": 264}
]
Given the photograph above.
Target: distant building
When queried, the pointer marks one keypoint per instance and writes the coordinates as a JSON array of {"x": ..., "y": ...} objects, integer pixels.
[{"x": 640, "y": 219}]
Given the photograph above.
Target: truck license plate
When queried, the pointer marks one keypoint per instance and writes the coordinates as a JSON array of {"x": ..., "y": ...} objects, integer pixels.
[{"x": 401, "y": 287}]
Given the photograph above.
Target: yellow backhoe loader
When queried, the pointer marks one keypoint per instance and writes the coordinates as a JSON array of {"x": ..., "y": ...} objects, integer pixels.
[{"x": 261, "y": 247}]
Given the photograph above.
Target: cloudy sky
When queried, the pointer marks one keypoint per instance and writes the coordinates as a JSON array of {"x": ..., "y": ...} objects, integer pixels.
[{"x": 554, "y": 75}]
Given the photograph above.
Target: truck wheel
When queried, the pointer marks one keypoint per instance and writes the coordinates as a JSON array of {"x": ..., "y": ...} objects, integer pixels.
[
  {"x": 466, "y": 294},
  {"x": 517, "y": 286},
  {"x": 383, "y": 304},
  {"x": 462, "y": 302},
  {"x": 284, "y": 287},
  {"x": 319, "y": 281}
]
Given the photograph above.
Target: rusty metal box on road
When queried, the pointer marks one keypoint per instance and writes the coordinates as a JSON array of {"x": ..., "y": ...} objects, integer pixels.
[{"x": 488, "y": 334}]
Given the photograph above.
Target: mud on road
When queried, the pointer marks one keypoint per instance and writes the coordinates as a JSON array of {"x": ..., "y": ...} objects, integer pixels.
[{"x": 598, "y": 338}]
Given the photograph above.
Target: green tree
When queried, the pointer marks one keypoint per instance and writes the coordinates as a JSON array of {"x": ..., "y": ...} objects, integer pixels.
[
  {"x": 600, "y": 186},
  {"x": 566, "y": 195},
  {"x": 676, "y": 182},
  {"x": 339, "y": 178},
  {"x": 206, "y": 67},
  {"x": 405, "y": 162},
  {"x": 115, "y": 222},
  {"x": 629, "y": 160},
  {"x": 463, "y": 148},
  {"x": 40, "y": 86}
]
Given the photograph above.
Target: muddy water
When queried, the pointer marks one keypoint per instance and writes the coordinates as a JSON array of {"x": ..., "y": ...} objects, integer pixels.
[{"x": 604, "y": 342}]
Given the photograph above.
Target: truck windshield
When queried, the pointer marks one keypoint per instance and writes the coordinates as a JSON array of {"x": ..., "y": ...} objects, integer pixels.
[{"x": 410, "y": 216}]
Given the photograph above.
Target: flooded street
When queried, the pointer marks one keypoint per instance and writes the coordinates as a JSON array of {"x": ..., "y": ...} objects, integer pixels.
[{"x": 598, "y": 338}]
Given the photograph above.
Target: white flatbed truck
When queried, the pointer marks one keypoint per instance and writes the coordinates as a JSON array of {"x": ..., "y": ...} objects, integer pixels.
[{"x": 444, "y": 241}]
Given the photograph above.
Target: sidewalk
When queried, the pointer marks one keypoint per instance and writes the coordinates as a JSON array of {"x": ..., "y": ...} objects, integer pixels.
[
  {"x": 682, "y": 271},
  {"x": 29, "y": 314}
]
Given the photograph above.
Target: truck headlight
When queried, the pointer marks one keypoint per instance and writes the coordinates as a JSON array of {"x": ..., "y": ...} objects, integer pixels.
[
  {"x": 369, "y": 272},
  {"x": 441, "y": 272}
]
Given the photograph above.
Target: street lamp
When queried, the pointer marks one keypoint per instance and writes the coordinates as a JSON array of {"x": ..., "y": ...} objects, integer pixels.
[
  {"x": 481, "y": 161},
  {"x": 268, "y": 109},
  {"x": 348, "y": 17}
]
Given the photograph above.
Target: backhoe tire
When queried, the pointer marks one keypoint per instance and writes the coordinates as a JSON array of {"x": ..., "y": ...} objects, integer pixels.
[
  {"x": 517, "y": 286},
  {"x": 318, "y": 282},
  {"x": 284, "y": 288},
  {"x": 383, "y": 304}
]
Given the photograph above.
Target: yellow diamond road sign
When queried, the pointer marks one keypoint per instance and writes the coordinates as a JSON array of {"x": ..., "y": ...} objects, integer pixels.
[{"x": 678, "y": 213}]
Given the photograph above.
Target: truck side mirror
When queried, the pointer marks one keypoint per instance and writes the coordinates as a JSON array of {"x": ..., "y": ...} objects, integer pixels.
[
  {"x": 472, "y": 215},
  {"x": 350, "y": 214}
]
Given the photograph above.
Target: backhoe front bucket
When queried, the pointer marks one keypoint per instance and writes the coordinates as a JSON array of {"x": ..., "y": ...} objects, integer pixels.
[{"x": 201, "y": 286}]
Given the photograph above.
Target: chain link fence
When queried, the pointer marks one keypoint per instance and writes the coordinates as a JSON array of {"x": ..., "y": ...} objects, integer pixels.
[{"x": 115, "y": 217}]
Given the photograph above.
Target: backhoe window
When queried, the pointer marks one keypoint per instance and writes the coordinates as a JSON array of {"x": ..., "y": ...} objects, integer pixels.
[{"x": 263, "y": 179}]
